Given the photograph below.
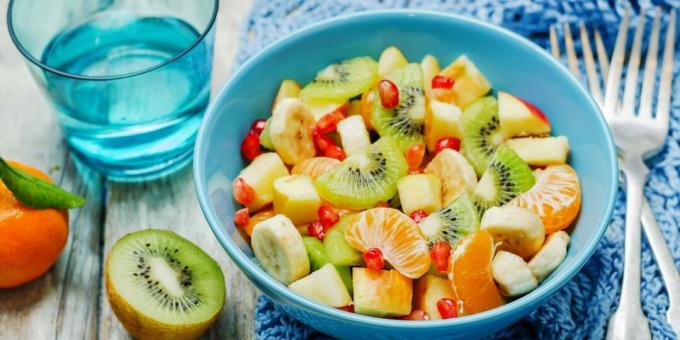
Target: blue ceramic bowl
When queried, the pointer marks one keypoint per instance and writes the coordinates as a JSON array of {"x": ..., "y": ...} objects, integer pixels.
[{"x": 510, "y": 62}]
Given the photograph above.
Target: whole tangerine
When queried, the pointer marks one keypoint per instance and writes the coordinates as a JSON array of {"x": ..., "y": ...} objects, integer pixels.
[{"x": 30, "y": 239}]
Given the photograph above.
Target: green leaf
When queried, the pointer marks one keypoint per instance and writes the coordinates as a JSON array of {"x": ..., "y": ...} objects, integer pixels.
[{"x": 34, "y": 192}]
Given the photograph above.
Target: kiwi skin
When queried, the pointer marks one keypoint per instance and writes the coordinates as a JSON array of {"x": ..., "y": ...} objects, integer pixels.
[{"x": 141, "y": 326}]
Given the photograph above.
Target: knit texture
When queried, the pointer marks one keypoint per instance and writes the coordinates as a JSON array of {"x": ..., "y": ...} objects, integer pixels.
[{"x": 582, "y": 307}]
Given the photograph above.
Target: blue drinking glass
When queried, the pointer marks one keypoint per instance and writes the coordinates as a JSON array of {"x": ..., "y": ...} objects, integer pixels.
[{"x": 129, "y": 79}]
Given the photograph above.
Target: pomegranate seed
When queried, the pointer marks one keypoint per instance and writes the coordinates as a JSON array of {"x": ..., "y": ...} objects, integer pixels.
[
  {"x": 335, "y": 151},
  {"x": 417, "y": 314},
  {"x": 329, "y": 122},
  {"x": 440, "y": 255},
  {"x": 389, "y": 94},
  {"x": 374, "y": 259},
  {"x": 250, "y": 147},
  {"x": 258, "y": 126},
  {"x": 415, "y": 155},
  {"x": 448, "y": 308},
  {"x": 241, "y": 217},
  {"x": 447, "y": 143},
  {"x": 416, "y": 171},
  {"x": 349, "y": 308},
  {"x": 243, "y": 193},
  {"x": 327, "y": 216},
  {"x": 321, "y": 141},
  {"x": 442, "y": 82},
  {"x": 418, "y": 215},
  {"x": 316, "y": 229}
]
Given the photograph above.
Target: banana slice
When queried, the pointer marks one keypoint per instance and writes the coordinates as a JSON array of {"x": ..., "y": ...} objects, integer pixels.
[
  {"x": 280, "y": 249},
  {"x": 518, "y": 230},
  {"x": 512, "y": 274},
  {"x": 550, "y": 256},
  {"x": 290, "y": 131},
  {"x": 454, "y": 171}
]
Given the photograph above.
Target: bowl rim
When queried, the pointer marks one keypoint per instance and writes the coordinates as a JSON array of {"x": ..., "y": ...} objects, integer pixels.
[{"x": 539, "y": 295}]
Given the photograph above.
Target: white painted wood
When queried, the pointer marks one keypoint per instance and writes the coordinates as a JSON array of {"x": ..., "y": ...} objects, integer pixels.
[{"x": 68, "y": 302}]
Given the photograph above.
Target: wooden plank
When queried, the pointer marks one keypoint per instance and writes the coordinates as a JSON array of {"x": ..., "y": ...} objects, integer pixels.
[
  {"x": 171, "y": 204},
  {"x": 63, "y": 303}
]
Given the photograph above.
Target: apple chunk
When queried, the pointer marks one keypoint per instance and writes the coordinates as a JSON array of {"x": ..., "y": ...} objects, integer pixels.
[
  {"x": 541, "y": 151},
  {"x": 520, "y": 118},
  {"x": 381, "y": 293},
  {"x": 428, "y": 290},
  {"x": 353, "y": 134},
  {"x": 324, "y": 286}
]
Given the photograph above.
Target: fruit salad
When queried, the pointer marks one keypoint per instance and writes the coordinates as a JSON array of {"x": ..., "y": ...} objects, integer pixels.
[{"x": 404, "y": 190}]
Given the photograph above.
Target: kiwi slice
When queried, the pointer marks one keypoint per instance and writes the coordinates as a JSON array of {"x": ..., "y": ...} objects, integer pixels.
[
  {"x": 405, "y": 122},
  {"x": 161, "y": 286},
  {"x": 339, "y": 252},
  {"x": 265, "y": 139},
  {"x": 365, "y": 178},
  {"x": 506, "y": 177},
  {"x": 318, "y": 258},
  {"x": 453, "y": 222},
  {"x": 344, "y": 80},
  {"x": 481, "y": 132}
]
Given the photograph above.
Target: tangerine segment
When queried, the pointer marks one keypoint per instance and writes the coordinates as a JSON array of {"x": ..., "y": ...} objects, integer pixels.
[
  {"x": 471, "y": 276},
  {"x": 397, "y": 236},
  {"x": 555, "y": 198},
  {"x": 315, "y": 167}
]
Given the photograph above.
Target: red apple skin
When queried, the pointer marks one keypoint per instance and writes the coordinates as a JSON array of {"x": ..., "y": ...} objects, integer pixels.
[{"x": 538, "y": 113}]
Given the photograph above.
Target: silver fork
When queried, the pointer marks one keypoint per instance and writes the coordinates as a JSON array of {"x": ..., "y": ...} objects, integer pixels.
[{"x": 636, "y": 137}]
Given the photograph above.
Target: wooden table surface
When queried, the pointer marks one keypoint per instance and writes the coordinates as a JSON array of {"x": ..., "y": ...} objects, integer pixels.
[{"x": 68, "y": 302}]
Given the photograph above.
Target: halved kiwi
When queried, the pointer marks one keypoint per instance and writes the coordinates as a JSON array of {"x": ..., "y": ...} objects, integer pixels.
[
  {"x": 365, "y": 178},
  {"x": 506, "y": 177},
  {"x": 405, "y": 122},
  {"x": 162, "y": 286},
  {"x": 453, "y": 222},
  {"x": 481, "y": 132},
  {"x": 344, "y": 80}
]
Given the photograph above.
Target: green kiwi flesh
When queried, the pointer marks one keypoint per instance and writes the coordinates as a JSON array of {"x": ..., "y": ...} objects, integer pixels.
[
  {"x": 318, "y": 258},
  {"x": 160, "y": 284},
  {"x": 506, "y": 177},
  {"x": 452, "y": 222},
  {"x": 344, "y": 80},
  {"x": 405, "y": 122},
  {"x": 364, "y": 178},
  {"x": 481, "y": 132}
]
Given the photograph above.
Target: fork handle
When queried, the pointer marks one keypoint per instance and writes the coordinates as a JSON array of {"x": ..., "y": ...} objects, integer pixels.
[
  {"x": 669, "y": 271},
  {"x": 629, "y": 322}
]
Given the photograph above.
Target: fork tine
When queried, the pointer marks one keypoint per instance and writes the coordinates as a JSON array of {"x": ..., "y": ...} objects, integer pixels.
[
  {"x": 630, "y": 90},
  {"x": 554, "y": 44},
  {"x": 593, "y": 81},
  {"x": 614, "y": 78},
  {"x": 645, "y": 110},
  {"x": 663, "y": 101},
  {"x": 602, "y": 56},
  {"x": 571, "y": 52}
]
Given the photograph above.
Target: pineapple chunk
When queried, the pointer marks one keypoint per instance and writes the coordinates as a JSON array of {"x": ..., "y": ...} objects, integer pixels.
[
  {"x": 381, "y": 293},
  {"x": 353, "y": 134},
  {"x": 430, "y": 66},
  {"x": 469, "y": 83},
  {"x": 324, "y": 286},
  {"x": 420, "y": 192},
  {"x": 427, "y": 290},
  {"x": 295, "y": 197},
  {"x": 390, "y": 60},
  {"x": 288, "y": 89},
  {"x": 442, "y": 120},
  {"x": 260, "y": 175},
  {"x": 541, "y": 151}
]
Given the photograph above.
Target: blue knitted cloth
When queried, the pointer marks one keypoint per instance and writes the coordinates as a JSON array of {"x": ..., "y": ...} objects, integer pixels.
[{"x": 581, "y": 309}]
